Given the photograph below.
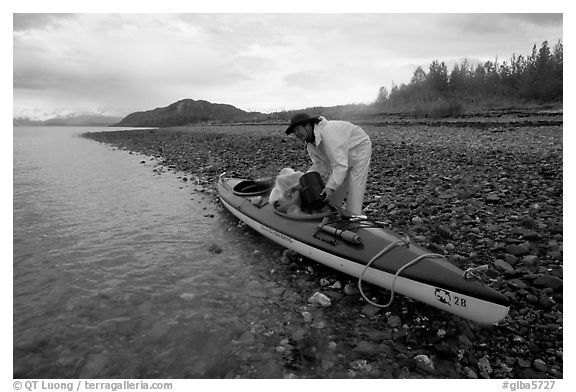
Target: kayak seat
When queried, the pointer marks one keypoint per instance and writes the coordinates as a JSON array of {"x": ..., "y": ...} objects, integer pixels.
[{"x": 252, "y": 188}]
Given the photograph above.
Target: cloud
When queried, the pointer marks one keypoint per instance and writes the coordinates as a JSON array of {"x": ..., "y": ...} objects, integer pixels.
[
  {"x": 307, "y": 79},
  {"x": 138, "y": 61},
  {"x": 490, "y": 28},
  {"x": 23, "y": 22},
  {"x": 542, "y": 20}
]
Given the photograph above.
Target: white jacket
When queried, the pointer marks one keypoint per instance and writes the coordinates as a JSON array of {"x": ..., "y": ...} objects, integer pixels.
[{"x": 330, "y": 152}]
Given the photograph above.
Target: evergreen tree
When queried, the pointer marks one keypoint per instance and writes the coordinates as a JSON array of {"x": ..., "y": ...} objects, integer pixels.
[{"x": 536, "y": 78}]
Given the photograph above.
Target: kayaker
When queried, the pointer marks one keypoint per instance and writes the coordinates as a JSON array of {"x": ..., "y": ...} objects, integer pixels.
[{"x": 340, "y": 151}]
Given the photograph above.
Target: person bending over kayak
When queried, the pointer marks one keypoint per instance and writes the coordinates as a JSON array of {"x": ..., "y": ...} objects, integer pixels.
[{"x": 341, "y": 152}]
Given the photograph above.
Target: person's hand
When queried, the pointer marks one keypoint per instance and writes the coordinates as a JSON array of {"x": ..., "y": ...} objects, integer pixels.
[{"x": 327, "y": 193}]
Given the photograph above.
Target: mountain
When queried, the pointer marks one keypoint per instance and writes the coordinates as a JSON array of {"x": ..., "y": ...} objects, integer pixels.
[
  {"x": 88, "y": 120},
  {"x": 186, "y": 111}
]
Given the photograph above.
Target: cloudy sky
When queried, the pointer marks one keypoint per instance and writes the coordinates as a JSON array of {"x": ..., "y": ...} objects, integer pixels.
[{"x": 120, "y": 63}]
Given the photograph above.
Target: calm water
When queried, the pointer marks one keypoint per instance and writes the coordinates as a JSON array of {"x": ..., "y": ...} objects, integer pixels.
[{"x": 115, "y": 273}]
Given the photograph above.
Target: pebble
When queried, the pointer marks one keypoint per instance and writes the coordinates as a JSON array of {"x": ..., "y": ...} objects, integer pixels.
[
  {"x": 394, "y": 321},
  {"x": 319, "y": 299},
  {"x": 319, "y": 324},
  {"x": 446, "y": 350},
  {"x": 425, "y": 363},
  {"x": 370, "y": 310},
  {"x": 492, "y": 198},
  {"x": 366, "y": 348},
  {"x": 531, "y": 298},
  {"x": 293, "y": 255},
  {"x": 464, "y": 340},
  {"x": 159, "y": 330},
  {"x": 493, "y": 228},
  {"x": 530, "y": 260},
  {"x": 517, "y": 250},
  {"x": 94, "y": 365},
  {"x": 523, "y": 363},
  {"x": 510, "y": 259},
  {"x": 351, "y": 289},
  {"x": 361, "y": 365},
  {"x": 531, "y": 236},
  {"x": 503, "y": 266},
  {"x": 247, "y": 338},
  {"x": 187, "y": 296},
  {"x": 444, "y": 231},
  {"x": 470, "y": 373},
  {"x": 517, "y": 283},
  {"x": 545, "y": 301},
  {"x": 484, "y": 365},
  {"x": 337, "y": 285},
  {"x": 215, "y": 248},
  {"x": 540, "y": 365}
]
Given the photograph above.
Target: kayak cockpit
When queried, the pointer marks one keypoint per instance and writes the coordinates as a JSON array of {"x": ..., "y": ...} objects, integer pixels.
[{"x": 253, "y": 187}]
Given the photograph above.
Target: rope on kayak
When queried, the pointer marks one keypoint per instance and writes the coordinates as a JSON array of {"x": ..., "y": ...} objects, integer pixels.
[{"x": 404, "y": 242}]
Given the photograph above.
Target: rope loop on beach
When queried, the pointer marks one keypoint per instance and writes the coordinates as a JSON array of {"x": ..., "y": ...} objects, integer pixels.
[
  {"x": 482, "y": 273},
  {"x": 404, "y": 242}
]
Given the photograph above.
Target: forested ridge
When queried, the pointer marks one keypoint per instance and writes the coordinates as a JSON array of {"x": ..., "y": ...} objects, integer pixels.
[{"x": 535, "y": 78}]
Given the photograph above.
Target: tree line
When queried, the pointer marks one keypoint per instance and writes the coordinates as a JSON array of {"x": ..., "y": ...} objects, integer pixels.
[{"x": 535, "y": 78}]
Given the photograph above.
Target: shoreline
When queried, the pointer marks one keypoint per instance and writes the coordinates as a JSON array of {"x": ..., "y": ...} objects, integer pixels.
[{"x": 488, "y": 194}]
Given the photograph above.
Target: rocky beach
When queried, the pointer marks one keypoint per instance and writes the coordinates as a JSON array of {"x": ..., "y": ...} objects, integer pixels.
[{"x": 479, "y": 191}]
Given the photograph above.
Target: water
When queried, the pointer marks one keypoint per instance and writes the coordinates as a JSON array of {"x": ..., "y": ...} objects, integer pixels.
[{"x": 115, "y": 275}]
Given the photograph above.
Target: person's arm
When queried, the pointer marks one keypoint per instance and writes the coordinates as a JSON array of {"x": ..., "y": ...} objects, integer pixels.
[
  {"x": 318, "y": 161},
  {"x": 337, "y": 152}
]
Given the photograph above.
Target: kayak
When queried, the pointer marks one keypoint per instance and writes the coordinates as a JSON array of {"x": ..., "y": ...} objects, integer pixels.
[{"x": 365, "y": 250}]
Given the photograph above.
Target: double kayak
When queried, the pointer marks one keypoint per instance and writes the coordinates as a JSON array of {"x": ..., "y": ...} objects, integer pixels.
[{"x": 366, "y": 250}]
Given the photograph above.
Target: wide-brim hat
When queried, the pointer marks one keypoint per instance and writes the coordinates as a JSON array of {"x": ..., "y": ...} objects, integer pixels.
[{"x": 299, "y": 119}]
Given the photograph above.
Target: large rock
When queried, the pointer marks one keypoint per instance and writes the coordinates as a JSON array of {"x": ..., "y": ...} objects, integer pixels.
[
  {"x": 503, "y": 266},
  {"x": 517, "y": 250},
  {"x": 510, "y": 259},
  {"x": 548, "y": 281}
]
